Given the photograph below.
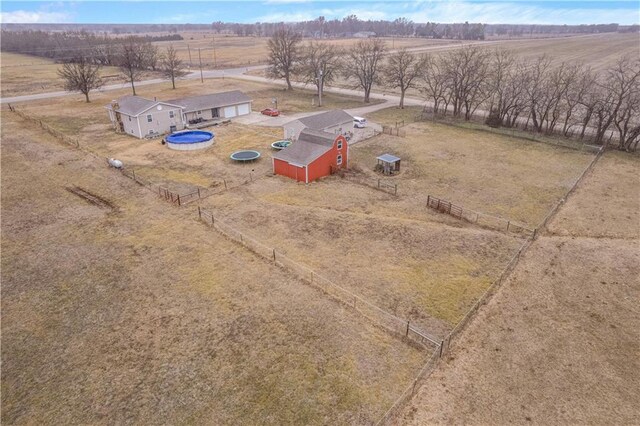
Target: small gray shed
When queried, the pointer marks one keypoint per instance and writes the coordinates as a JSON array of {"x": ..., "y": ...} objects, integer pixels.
[{"x": 389, "y": 164}]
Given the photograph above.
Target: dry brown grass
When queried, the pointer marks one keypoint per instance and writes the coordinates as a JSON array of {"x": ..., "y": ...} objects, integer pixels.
[
  {"x": 504, "y": 176},
  {"x": 25, "y": 74},
  {"x": 559, "y": 343},
  {"x": 141, "y": 314},
  {"x": 393, "y": 253}
]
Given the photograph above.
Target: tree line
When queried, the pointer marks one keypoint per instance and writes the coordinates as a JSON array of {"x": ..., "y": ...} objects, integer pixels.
[
  {"x": 61, "y": 46},
  {"x": 546, "y": 96}
]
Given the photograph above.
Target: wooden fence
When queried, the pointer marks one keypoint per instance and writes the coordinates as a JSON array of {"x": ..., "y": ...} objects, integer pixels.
[
  {"x": 397, "y": 326},
  {"x": 394, "y": 131},
  {"x": 482, "y": 219}
]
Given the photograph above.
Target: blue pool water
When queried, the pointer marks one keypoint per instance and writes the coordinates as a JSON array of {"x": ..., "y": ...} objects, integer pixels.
[{"x": 191, "y": 136}]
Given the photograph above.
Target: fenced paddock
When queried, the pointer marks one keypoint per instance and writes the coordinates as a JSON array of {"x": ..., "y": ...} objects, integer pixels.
[{"x": 398, "y": 326}]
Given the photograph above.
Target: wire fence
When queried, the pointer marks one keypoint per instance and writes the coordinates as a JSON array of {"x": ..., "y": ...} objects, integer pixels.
[
  {"x": 375, "y": 183},
  {"x": 397, "y": 326},
  {"x": 47, "y": 128},
  {"x": 482, "y": 219}
]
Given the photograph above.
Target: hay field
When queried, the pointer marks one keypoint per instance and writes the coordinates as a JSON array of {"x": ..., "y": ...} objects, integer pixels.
[
  {"x": 559, "y": 342},
  {"x": 416, "y": 268},
  {"x": 128, "y": 310},
  {"x": 508, "y": 177}
]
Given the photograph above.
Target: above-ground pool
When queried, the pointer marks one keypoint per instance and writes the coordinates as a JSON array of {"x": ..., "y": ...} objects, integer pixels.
[
  {"x": 189, "y": 140},
  {"x": 246, "y": 155},
  {"x": 281, "y": 144}
]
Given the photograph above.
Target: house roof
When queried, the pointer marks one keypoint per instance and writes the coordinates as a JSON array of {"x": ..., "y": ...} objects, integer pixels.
[
  {"x": 133, "y": 105},
  {"x": 326, "y": 119},
  {"x": 213, "y": 100},
  {"x": 310, "y": 145},
  {"x": 388, "y": 158}
]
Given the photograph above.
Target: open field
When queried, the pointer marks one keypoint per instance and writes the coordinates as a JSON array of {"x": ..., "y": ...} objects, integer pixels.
[
  {"x": 558, "y": 343},
  {"x": 230, "y": 51},
  {"x": 508, "y": 177},
  {"x": 119, "y": 308},
  {"x": 421, "y": 269},
  {"x": 25, "y": 74}
]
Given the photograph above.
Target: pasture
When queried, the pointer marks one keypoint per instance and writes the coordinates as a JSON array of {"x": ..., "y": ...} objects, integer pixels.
[{"x": 122, "y": 308}]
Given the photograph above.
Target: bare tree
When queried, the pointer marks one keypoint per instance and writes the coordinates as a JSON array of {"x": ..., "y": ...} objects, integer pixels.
[
  {"x": 434, "y": 85},
  {"x": 362, "y": 66},
  {"x": 402, "y": 71},
  {"x": 80, "y": 75},
  {"x": 284, "y": 54},
  {"x": 319, "y": 65},
  {"x": 467, "y": 76},
  {"x": 171, "y": 66},
  {"x": 133, "y": 59}
]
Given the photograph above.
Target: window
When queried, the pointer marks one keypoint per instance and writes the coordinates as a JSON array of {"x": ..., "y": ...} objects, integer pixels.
[
  {"x": 150, "y": 131},
  {"x": 171, "y": 115},
  {"x": 339, "y": 144},
  {"x": 199, "y": 112},
  {"x": 149, "y": 118},
  {"x": 339, "y": 159},
  {"x": 129, "y": 118}
]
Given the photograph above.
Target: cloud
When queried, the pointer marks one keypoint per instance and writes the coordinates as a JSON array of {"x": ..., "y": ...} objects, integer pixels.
[
  {"x": 34, "y": 17},
  {"x": 287, "y": 17}
]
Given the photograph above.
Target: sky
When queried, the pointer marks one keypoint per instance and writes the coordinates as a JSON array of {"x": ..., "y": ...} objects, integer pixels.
[{"x": 246, "y": 11}]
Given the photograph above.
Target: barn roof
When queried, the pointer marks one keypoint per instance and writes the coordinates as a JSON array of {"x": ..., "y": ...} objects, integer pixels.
[
  {"x": 213, "y": 100},
  {"x": 326, "y": 119},
  {"x": 310, "y": 145}
]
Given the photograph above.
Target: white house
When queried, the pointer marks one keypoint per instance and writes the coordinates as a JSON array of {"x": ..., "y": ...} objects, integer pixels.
[{"x": 335, "y": 121}]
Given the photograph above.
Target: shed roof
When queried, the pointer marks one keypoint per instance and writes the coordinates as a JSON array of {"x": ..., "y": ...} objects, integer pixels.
[
  {"x": 310, "y": 145},
  {"x": 326, "y": 119},
  {"x": 213, "y": 100},
  {"x": 388, "y": 158}
]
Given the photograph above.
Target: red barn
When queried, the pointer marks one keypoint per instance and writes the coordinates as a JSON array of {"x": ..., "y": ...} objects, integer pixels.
[{"x": 315, "y": 154}]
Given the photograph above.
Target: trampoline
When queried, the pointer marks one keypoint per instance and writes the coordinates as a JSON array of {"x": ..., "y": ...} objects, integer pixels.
[
  {"x": 245, "y": 155},
  {"x": 189, "y": 140},
  {"x": 281, "y": 144}
]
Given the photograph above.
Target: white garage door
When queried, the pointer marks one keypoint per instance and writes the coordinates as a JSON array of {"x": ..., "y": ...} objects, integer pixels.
[
  {"x": 230, "y": 112},
  {"x": 243, "y": 109}
]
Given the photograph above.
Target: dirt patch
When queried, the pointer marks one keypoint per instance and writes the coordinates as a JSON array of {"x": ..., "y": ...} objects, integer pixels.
[{"x": 94, "y": 199}]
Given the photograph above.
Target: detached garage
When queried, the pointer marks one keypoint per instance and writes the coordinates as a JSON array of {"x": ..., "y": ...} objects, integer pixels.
[{"x": 315, "y": 154}]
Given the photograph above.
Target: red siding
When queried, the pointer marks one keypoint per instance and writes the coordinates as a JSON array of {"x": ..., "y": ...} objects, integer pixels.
[{"x": 320, "y": 167}]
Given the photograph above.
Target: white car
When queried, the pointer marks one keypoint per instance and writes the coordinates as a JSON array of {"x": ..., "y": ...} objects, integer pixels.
[{"x": 359, "y": 122}]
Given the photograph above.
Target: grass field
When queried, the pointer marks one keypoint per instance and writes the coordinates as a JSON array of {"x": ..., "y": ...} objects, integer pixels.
[
  {"x": 558, "y": 343},
  {"x": 500, "y": 175},
  {"x": 25, "y": 74},
  {"x": 128, "y": 310}
]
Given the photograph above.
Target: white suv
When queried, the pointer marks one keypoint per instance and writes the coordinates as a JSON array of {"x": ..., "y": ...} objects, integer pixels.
[{"x": 359, "y": 122}]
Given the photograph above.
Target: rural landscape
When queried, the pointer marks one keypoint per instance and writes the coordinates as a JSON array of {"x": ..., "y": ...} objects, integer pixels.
[{"x": 336, "y": 220}]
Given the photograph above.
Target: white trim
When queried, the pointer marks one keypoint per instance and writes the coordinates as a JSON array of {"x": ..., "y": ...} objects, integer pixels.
[
  {"x": 139, "y": 128},
  {"x": 306, "y": 174}
]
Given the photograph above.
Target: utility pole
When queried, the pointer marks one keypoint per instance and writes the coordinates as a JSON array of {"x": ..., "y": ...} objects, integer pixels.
[
  {"x": 320, "y": 87},
  {"x": 189, "y": 49},
  {"x": 215, "y": 62},
  {"x": 200, "y": 58}
]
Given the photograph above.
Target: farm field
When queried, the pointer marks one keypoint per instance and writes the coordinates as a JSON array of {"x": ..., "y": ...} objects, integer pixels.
[
  {"x": 120, "y": 308},
  {"x": 25, "y": 74},
  {"x": 508, "y": 177},
  {"x": 559, "y": 342},
  {"x": 231, "y": 51}
]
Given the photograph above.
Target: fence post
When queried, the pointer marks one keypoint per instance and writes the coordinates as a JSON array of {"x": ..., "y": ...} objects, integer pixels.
[
  {"x": 199, "y": 192},
  {"x": 134, "y": 174},
  {"x": 407, "y": 333},
  {"x": 225, "y": 184},
  {"x": 378, "y": 183},
  {"x": 178, "y": 199},
  {"x": 395, "y": 192},
  {"x": 213, "y": 221},
  {"x": 274, "y": 255},
  {"x": 535, "y": 231},
  {"x": 508, "y": 223},
  {"x": 441, "y": 346},
  {"x": 428, "y": 200},
  {"x": 477, "y": 216},
  {"x": 199, "y": 213},
  {"x": 250, "y": 177}
]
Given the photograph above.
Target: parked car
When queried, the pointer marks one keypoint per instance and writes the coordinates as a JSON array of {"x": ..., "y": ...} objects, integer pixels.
[
  {"x": 359, "y": 122},
  {"x": 271, "y": 112}
]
